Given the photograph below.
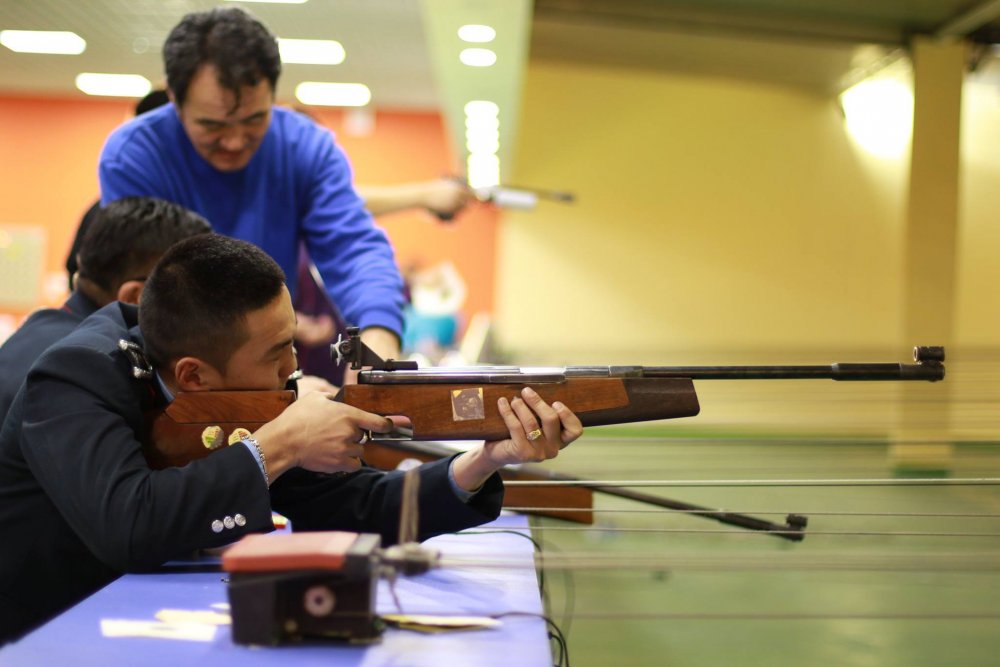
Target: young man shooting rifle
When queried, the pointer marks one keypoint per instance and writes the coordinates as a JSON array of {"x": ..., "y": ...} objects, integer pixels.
[{"x": 79, "y": 503}]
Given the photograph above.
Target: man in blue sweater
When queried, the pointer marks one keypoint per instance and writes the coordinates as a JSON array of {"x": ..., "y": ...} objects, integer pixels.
[{"x": 260, "y": 173}]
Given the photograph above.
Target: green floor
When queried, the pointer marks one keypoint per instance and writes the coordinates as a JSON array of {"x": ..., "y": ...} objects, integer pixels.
[{"x": 708, "y": 598}]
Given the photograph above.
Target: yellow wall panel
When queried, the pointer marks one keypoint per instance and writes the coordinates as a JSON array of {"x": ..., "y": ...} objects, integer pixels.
[{"x": 713, "y": 216}]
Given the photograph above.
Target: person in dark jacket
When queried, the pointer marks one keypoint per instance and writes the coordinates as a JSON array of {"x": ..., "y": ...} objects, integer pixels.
[
  {"x": 79, "y": 504},
  {"x": 115, "y": 255}
]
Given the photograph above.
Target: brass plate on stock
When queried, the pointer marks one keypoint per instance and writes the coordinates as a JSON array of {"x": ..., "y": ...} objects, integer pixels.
[{"x": 467, "y": 404}]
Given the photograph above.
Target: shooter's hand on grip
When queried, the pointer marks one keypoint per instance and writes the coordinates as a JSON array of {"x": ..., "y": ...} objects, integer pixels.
[
  {"x": 318, "y": 434},
  {"x": 537, "y": 432}
]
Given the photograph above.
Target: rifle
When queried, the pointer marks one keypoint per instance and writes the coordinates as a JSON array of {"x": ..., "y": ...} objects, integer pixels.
[
  {"x": 510, "y": 197},
  {"x": 461, "y": 404}
]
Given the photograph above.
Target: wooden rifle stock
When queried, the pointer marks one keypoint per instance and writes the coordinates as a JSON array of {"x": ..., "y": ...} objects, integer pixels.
[
  {"x": 174, "y": 433},
  {"x": 436, "y": 411},
  {"x": 461, "y": 411},
  {"x": 174, "y": 439}
]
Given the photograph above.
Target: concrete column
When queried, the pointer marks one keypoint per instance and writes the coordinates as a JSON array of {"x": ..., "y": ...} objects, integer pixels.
[{"x": 923, "y": 440}]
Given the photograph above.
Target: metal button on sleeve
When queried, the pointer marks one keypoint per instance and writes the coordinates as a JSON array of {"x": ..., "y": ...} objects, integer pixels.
[
  {"x": 229, "y": 523},
  {"x": 217, "y": 526},
  {"x": 240, "y": 520}
]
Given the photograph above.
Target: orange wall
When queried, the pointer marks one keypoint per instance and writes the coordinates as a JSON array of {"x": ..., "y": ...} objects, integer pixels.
[
  {"x": 48, "y": 170},
  {"x": 49, "y": 149}
]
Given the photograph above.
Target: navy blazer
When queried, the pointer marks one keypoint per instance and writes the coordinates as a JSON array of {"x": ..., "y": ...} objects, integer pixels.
[
  {"x": 38, "y": 332},
  {"x": 79, "y": 505}
]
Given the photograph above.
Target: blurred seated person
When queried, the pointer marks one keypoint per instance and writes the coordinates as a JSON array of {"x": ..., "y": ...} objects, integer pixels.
[
  {"x": 437, "y": 294},
  {"x": 122, "y": 243},
  {"x": 154, "y": 99},
  {"x": 318, "y": 321}
]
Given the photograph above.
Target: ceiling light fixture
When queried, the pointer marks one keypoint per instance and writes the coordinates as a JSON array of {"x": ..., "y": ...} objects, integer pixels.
[
  {"x": 43, "y": 41},
  {"x": 311, "y": 51},
  {"x": 477, "y": 57},
  {"x": 478, "y": 34},
  {"x": 324, "y": 94},
  {"x": 113, "y": 85}
]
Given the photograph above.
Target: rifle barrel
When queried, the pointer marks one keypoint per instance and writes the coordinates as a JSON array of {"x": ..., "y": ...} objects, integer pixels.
[
  {"x": 511, "y": 375},
  {"x": 929, "y": 367},
  {"x": 839, "y": 372}
]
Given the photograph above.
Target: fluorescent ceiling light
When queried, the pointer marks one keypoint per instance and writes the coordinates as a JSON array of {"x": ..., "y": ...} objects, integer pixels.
[
  {"x": 333, "y": 94},
  {"x": 43, "y": 41},
  {"x": 311, "y": 51},
  {"x": 479, "y": 34},
  {"x": 477, "y": 57},
  {"x": 113, "y": 85}
]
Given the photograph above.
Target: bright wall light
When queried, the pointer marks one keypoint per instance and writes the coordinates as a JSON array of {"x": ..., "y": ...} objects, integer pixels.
[
  {"x": 483, "y": 170},
  {"x": 333, "y": 94},
  {"x": 879, "y": 116},
  {"x": 482, "y": 142},
  {"x": 482, "y": 123},
  {"x": 477, "y": 57},
  {"x": 481, "y": 108},
  {"x": 311, "y": 51},
  {"x": 43, "y": 41},
  {"x": 478, "y": 34},
  {"x": 113, "y": 85}
]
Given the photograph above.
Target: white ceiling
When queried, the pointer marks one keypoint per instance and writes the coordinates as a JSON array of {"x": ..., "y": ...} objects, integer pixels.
[
  {"x": 406, "y": 50},
  {"x": 384, "y": 41}
]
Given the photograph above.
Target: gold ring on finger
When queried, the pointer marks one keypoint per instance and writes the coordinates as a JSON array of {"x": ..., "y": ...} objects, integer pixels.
[{"x": 534, "y": 435}]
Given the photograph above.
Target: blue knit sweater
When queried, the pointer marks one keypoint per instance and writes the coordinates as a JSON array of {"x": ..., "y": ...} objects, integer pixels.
[{"x": 297, "y": 187}]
